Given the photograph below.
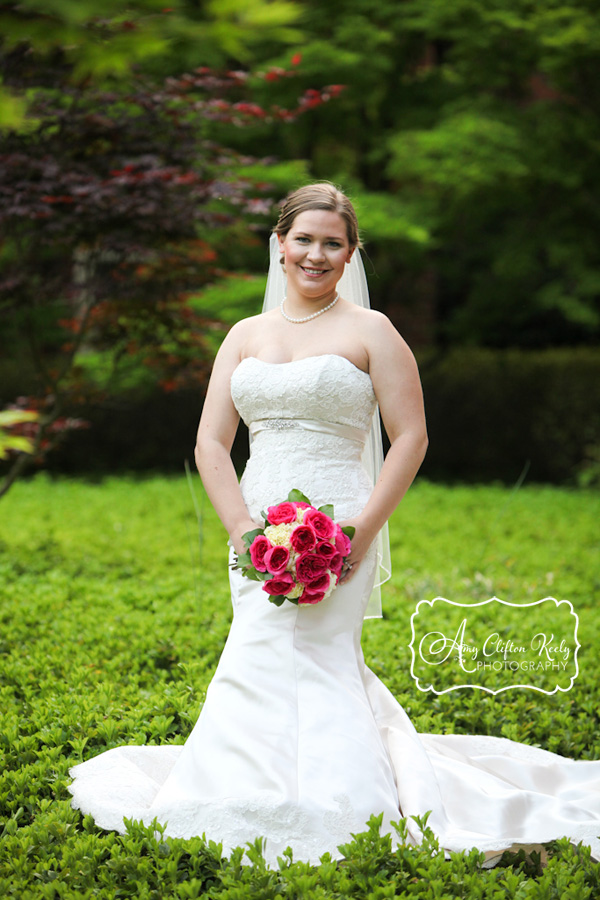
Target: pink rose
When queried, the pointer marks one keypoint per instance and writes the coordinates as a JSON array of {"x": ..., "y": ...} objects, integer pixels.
[
  {"x": 335, "y": 564},
  {"x": 282, "y": 514},
  {"x": 258, "y": 548},
  {"x": 326, "y": 550},
  {"x": 342, "y": 542},
  {"x": 303, "y": 538},
  {"x": 280, "y": 584},
  {"x": 311, "y": 597},
  {"x": 309, "y": 567},
  {"x": 319, "y": 584},
  {"x": 276, "y": 559},
  {"x": 323, "y": 526}
]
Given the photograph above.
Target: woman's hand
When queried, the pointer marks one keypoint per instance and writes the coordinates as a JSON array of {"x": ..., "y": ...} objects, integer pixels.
[
  {"x": 362, "y": 540},
  {"x": 236, "y": 536}
]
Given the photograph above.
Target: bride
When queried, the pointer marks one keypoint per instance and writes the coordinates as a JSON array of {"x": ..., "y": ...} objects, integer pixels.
[{"x": 298, "y": 741}]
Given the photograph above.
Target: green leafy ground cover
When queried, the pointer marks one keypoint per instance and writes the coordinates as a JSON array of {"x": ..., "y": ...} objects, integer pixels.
[{"x": 114, "y": 615}]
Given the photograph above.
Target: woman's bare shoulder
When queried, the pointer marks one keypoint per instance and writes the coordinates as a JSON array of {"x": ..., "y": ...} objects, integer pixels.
[
  {"x": 377, "y": 326},
  {"x": 371, "y": 316},
  {"x": 244, "y": 330},
  {"x": 381, "y": 339}
]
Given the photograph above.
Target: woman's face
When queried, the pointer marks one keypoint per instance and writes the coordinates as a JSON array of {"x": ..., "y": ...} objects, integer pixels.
[{"x": 315, "y": 250}]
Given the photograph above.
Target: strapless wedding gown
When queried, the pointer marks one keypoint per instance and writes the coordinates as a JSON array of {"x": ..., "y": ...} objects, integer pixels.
[{"x": 297, "y": 740}]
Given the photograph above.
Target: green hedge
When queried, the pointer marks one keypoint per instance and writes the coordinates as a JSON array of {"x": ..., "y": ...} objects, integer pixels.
[{"x": 492, "y": 415}]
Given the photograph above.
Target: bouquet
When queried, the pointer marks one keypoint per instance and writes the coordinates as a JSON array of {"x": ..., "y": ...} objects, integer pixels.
[{"x": 299, "y": 553}]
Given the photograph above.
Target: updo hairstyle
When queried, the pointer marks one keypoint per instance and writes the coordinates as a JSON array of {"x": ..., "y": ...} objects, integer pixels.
[{"x": 322, "y": 195}]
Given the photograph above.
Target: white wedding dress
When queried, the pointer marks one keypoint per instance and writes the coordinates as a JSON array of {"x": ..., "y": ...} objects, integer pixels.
[{"x": 298, "y": 741}]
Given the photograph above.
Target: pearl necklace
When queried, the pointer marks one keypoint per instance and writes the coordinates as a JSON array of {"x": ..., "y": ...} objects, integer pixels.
[{"x": 307, "y": 318}]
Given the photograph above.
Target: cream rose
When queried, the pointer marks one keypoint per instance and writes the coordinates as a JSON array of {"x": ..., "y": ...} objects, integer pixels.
[{"x": 280, "y": 534}]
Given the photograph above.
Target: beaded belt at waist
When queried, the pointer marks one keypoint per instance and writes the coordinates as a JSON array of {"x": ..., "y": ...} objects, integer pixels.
[{"x": 344, "y": 431}]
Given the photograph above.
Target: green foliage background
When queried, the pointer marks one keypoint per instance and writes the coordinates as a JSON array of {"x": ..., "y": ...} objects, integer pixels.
[
  {"x": 114, "y": 611},
  {"x": 466, "y": 132}
]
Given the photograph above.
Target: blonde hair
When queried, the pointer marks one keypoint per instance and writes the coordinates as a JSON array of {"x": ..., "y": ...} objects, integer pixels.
[{"x": 322, "y": 195}]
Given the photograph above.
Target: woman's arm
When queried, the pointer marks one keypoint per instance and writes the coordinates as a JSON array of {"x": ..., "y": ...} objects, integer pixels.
[
  {"x": 397, "y": 386},
  {"x": 216, "y": 432}
]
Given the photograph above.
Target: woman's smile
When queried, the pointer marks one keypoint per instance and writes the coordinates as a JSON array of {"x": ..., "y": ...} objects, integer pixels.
[{"x": 313, "y": 273}]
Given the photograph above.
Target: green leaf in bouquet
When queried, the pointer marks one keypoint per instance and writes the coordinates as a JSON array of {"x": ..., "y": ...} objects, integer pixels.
[
  {"x": 349, "y": 531},
  {"x": 242, "y": 560},
  {"x": 277, "y": 599},
  {"x": 264, "y": 515},
  {"x": 254, "y": 575},
  {"x": 249, "y": 536},
  {"x": 264, "y": 576},
  {"x": 296, "y": 496},
  {"x": 327, "y": 510}
]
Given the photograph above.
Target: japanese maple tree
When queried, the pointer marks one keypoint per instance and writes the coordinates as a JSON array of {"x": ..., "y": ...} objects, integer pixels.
[{"x": 109, "y": 199}]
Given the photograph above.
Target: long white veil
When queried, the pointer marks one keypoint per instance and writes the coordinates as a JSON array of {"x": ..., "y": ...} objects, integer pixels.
[{"x": 353, "y": 287}]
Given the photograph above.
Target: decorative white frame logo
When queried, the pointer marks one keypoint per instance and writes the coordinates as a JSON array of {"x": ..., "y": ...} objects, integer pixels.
[{"x": 431, "y": 649}]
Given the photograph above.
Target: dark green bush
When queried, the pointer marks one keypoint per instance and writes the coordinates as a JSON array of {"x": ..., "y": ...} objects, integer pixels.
[{"x": 494, "y": 414}]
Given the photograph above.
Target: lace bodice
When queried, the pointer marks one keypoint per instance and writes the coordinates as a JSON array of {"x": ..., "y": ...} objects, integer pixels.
[
  {"x": 327, "y": 467},
  {"x": 326, "y": 387}
]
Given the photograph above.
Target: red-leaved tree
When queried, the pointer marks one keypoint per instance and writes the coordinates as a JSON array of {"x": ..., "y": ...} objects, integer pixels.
[{"x": 108, "y": 201}]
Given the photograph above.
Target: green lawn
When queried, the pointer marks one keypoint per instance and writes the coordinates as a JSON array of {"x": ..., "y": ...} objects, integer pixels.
[{"x": 115, "y": 607}]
